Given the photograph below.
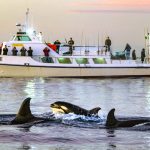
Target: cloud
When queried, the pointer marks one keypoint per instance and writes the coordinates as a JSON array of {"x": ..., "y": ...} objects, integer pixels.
[
  {"x": 109, "y": 11},
  {"x": 98, "y": 6}
]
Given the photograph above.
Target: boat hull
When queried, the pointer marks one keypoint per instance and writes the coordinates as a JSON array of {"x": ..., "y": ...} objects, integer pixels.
[{"x": 56, "y": 71}]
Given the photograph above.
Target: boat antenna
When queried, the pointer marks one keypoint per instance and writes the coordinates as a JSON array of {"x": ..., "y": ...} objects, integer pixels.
[
  {"x": 145, "y": 38},
  {"x": 27, "y": 19},
  {"x": 148, "y": 45},
  {"x": 146, "y": 32},
  {"x": 98, "y": 44},
  {"x": 66, "y": 40},
  {"x": 81, "y": 42}
]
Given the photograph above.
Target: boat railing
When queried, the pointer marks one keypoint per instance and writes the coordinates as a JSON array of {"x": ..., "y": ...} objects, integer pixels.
[{"x": 84, "y": 50}]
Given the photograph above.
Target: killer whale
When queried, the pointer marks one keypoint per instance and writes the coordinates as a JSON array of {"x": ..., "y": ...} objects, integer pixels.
[
  {"x": 65, "y": 108},
  {"x": 112, "y": 122},
  {"x": 24, "y": 114}
]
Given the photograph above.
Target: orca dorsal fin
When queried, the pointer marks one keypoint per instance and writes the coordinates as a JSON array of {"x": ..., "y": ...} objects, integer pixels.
[
  {"x": 111, "y": 119},
  {"x": 94, "y": 111},
  {"x": 24, "y": 114}
]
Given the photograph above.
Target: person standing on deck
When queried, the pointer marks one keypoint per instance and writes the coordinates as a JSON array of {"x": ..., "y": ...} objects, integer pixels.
[
  {"x": 107, "y": 44},
  {"x": 30, "y": 52},
  {"x": 71, "y": 43},
  {"x": 14, "y": 51},
  {"x": 133, "y": 55},
  {"x": 0, "y": 50},
  {"x": 143, "y": 55},
  {"x": 127, "y": 51},
  {"x": 5, "y": 50},
  {"x": 57, "y": 43},
  {"x": 23, "y": 51},
  {"x": 46, "y": 53}
]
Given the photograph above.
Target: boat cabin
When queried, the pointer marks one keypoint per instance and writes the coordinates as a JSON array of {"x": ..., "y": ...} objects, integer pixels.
[
  {"x": 25, "y": 37},
  {"x": 21, "y": 36}
]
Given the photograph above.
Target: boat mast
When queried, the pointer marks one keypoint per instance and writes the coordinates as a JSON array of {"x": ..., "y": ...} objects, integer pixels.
[
  {"x": 27, "y": 20},
  {"x": 98, "y": 51},
  {"x": 147, "y": 45},
  {"x": 148, "y": 48},
  {"x": 81, "y": 42}
]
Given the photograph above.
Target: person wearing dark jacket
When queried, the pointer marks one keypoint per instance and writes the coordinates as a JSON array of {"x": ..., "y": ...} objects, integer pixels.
[
  {"x": 57, "y": 43},
  {"x": 30, "y": 52},
  {"x": 23, "y": 51},
  {"x": 133, "y": 55},
  {"x": 14, "y": 51},
  {"x": 127, "y": 51},
  {"x": 71, "y": 43},
  {"x": 108, "y": 44},
  {"x": 5, "y": 50},
  {"x": 143, "y": 55}
]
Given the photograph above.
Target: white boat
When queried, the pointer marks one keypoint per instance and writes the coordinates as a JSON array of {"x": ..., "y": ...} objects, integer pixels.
[
  {"x": 84, "y": 62},
  {"x": 17, "y": 66}
]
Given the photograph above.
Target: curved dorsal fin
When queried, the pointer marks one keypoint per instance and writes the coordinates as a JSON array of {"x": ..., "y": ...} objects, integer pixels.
[
  {"x": 25, "y": 108},
  {"x": 111, "y": 119},
  {"x": 24, "y": 114},
  {"x": 94, "y": 111}
]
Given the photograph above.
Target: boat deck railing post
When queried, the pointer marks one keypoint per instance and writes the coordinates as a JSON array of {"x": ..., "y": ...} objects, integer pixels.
[{"x": 120, "y": 61}]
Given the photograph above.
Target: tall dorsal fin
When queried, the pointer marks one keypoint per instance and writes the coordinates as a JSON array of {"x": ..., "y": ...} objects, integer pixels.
[
  {"x": 94, "y": 111},
  {"x": 25, "y": 108},
  {"x": 24, "y": 114},
  {"x": 111, "y": 119}
]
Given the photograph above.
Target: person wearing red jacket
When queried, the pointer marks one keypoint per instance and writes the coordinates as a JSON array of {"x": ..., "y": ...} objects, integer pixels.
[{"x": 46, "y": 52}]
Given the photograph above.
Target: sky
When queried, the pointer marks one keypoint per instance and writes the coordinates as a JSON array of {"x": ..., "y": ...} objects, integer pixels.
[{"x": 86, "y": 21}]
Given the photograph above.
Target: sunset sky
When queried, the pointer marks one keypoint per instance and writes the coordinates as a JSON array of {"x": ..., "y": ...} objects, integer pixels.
[{"x": 83, "y": 20}]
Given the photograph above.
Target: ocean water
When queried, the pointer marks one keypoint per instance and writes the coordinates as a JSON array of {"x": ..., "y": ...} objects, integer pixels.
[{"x": 129, "y": 96}]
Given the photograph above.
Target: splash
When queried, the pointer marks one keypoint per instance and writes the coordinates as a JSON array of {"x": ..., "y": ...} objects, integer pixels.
[{"x": 82, "y": 118}]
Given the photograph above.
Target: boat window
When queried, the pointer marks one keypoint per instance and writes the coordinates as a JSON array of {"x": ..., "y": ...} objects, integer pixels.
[
  {"x": 99, "y": 60},
  {"x": 118, "y": 55},
  {"x": 47, "y": 60},
  {"x": 22, "y": 38},
  {"x": 64, "y": 60},
  {"x": 82, "y": 60}
]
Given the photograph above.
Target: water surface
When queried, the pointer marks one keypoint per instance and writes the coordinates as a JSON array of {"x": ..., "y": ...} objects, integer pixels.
[{"x": 130, "y": 97}]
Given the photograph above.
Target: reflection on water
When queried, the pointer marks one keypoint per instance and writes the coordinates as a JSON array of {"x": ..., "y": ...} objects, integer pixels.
[
  {"x": 130, "y": 97},
  {"x": 31, "y": 87}
]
